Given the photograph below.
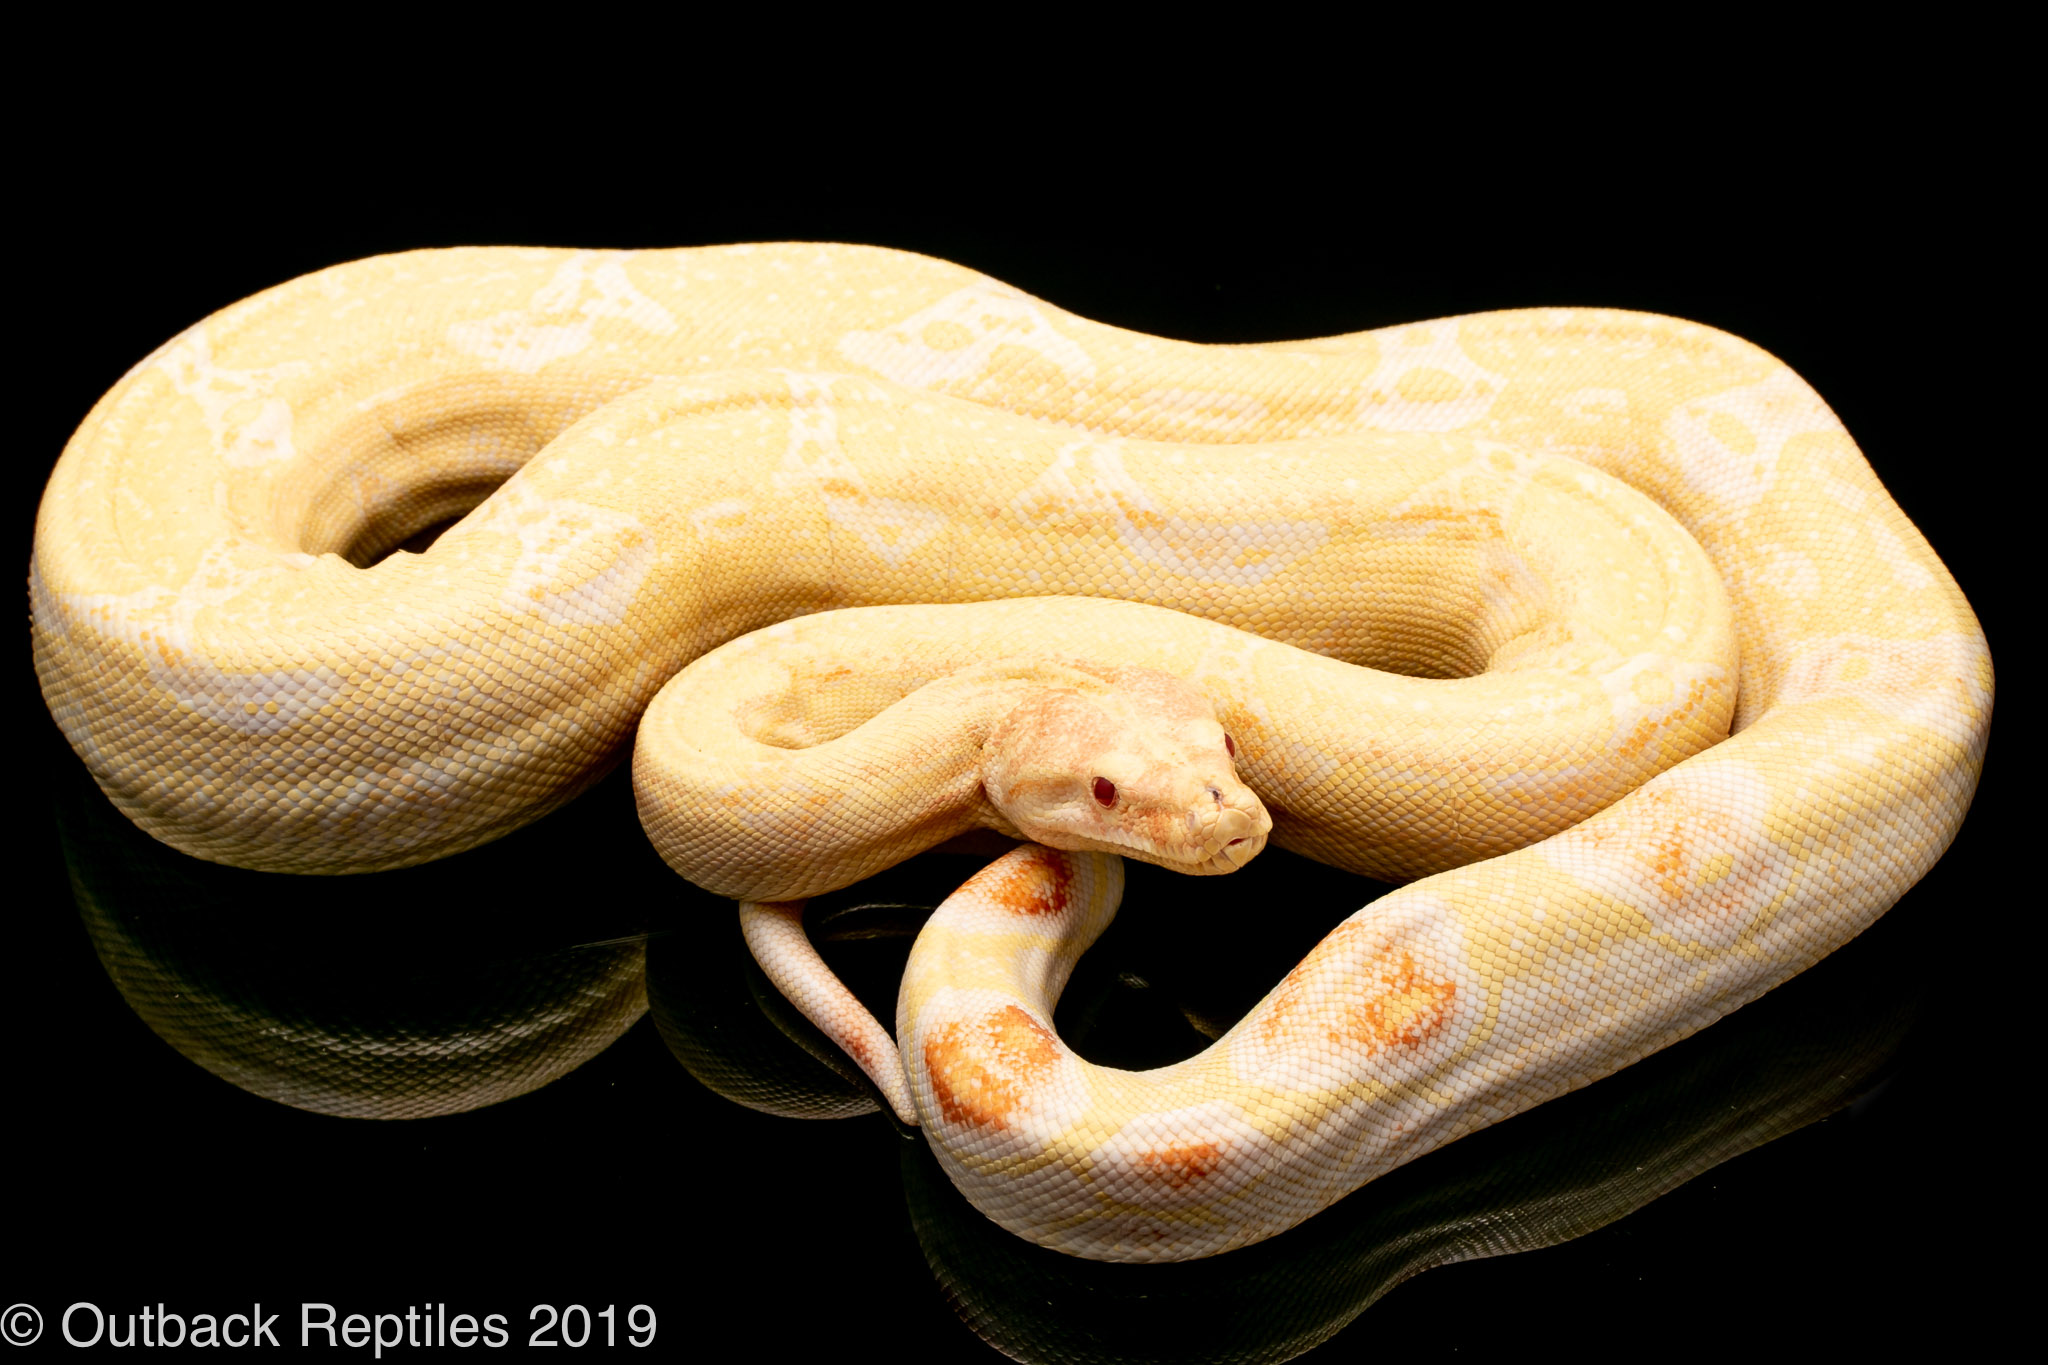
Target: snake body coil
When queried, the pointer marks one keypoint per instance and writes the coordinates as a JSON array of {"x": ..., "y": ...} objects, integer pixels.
[{"x": 696, "y": 444}]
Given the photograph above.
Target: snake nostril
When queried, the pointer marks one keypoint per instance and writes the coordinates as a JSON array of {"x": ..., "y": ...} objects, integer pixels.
[{"x": 1216, "y": 796}]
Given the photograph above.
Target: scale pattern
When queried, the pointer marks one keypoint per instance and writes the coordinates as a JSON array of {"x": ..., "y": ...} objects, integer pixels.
[{"x": 687, "y": 446}]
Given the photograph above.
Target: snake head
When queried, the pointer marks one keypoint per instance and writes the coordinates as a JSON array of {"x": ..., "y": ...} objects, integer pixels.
[{"x": 1138, "y": 766}]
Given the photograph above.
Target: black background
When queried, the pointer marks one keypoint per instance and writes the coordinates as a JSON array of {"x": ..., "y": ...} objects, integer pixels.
[{"x": 1868, "y": 260}]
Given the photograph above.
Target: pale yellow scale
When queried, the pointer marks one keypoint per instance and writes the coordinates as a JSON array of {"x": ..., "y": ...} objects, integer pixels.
[{"x": 693, "y": 445}]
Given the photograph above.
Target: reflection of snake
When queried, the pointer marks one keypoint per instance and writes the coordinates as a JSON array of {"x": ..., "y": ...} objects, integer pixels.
[
  {"x": 441, "y": 990},
  {"x": 244, "y": 692}
]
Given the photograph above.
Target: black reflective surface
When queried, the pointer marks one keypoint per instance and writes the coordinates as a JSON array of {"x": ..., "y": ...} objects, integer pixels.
[
  {"x": 471, "y": 990},
  {"x": 1827, "y": 1169}
]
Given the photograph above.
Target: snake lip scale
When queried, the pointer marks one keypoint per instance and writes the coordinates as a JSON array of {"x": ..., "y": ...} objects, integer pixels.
[{"x": 1594, "y": 628}]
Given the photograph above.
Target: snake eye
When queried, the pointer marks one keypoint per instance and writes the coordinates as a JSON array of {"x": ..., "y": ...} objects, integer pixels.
[
  {"x": 1229, "y": 745},
  {"x": 1105, "y": 791}
]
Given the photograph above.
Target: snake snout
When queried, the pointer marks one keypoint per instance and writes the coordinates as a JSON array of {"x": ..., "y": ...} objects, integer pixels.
[
  {"x": 1235, "y": 826},
  {"x": 1228, "y": 830}
]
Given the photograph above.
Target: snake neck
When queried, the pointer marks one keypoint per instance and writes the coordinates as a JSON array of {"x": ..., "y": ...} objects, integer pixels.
[{"x": 930, "y": 747}]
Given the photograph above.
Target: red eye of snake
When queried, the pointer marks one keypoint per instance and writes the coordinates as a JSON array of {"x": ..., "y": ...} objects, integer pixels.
[
  {"x": 1230, "y": 746},
  {"x": 1105, "y": 791}
]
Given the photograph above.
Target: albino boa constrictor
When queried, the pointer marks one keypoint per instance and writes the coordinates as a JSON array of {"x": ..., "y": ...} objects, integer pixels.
[{"x": 738, "y": 436}]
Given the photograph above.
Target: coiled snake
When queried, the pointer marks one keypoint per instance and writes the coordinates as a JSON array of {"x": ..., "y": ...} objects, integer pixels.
[{"x": 692, "y": 445}]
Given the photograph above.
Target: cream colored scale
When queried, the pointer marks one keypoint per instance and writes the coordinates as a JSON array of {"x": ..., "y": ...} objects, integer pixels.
[{"x": 696, "y": 444}]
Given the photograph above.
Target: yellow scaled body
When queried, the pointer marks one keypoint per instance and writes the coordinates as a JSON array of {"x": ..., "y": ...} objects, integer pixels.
[{"x": 696, "y": 444}]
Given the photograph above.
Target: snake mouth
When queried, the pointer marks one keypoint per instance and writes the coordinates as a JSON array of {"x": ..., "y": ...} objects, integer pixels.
[
  {"x": 1229, "y": 858},
  {"x": 1236, "y": 835},
  {"x": 1196, "y": 860}
]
